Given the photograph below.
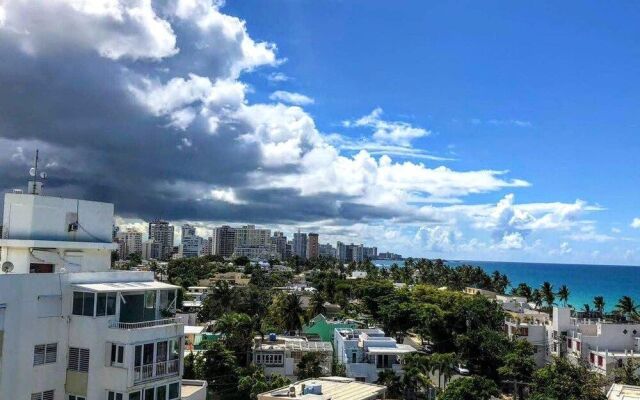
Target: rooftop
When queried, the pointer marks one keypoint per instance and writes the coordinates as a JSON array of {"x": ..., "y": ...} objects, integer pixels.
[
  {"x": 623, "y": 392},
  {"x": 334, "y": 388}
]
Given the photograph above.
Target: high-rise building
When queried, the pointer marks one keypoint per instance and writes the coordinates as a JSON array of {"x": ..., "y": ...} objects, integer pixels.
[
  {"x": 188, "y": 230},
  {"x": 223, "y": 241},
  {"x": 162, "y": 232},
  {"x": 133, "y": 241},
  {"x": 254, "y": 243},
  {"x": 279, "y": 240},
  {"x": 327, "y": 250},
  {"x": 341, "y": 252},
  {"x": 300, "y": 245},
  {"x": 70, "y": 327},
  {"x": 151, "y": 250},
  {"x": 207, "y": 246},
  {"x": 190, "y": 246},
  {"x": 313, "y": 247},
  {"x": 370, "y": 253}
]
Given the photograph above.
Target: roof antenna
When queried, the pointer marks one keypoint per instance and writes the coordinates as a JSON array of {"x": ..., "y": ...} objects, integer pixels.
[{"x": 35, "y": 187}]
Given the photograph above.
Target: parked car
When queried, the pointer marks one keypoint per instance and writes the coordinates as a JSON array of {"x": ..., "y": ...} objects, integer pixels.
[{"x": 462, "y": 369}]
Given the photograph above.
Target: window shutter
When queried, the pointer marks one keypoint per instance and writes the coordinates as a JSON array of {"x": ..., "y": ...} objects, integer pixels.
[
  {"x": 51, "y": 353},
  {"x": 74, "y": 354},
  {"x": 48, "y": 395},
  {"x": 84, "y": 360},
  {"x": 38, "y": 354}
]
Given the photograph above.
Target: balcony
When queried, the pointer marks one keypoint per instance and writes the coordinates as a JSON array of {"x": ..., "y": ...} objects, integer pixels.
[
  {"x": 144, "y": 324},
  {"x": 156, "y": 371}
]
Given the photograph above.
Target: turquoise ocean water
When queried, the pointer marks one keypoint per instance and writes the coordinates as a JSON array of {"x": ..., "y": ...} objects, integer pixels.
[{"x": 584, "y": 281}]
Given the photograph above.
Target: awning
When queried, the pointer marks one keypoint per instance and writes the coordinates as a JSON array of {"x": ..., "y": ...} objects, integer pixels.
[
  {"x": 400, "y": 349},
  {"x": 193, "y": 330},
  {"x": 124, "y": 286}
]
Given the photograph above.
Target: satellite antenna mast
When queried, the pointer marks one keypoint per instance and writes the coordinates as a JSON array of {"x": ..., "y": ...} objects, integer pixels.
[
  {"x": 34, "y": 188},
  {"x": 35, "y": 172}
]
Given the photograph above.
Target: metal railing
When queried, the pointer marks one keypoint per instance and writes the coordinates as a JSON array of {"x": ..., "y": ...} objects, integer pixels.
[
  {"x": 157, "y": 370},
  {"x": 143, "y": 324}
]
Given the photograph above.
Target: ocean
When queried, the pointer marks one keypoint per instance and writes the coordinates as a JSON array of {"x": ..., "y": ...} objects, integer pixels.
[{"x": 584, "y": 281}]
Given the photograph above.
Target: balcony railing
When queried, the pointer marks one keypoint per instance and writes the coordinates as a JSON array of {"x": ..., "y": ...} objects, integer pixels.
[
  {"x": 155, "y": 371},
  {"x": 144, "y": 324}
]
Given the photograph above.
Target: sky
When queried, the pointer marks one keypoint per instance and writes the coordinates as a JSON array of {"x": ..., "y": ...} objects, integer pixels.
[{"x": 461, "y": 130}]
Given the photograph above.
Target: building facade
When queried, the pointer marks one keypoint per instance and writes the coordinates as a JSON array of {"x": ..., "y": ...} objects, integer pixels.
[
  {"x": 223, "y": 241},
  {"x": 72, "y": 328},
  {"x": 162, "y": 232},
  {"x": 313, "y": 246},
  {"x": 300, "y": 245}
]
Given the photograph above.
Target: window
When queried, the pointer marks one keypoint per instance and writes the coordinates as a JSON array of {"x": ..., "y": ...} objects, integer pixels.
[
  {"x": 45, "y": 354},
  {"x": 592, "y": 358},
  {"x": 600, "y": 361},
  {"x": 78, "y": 359},
  {"x": 161, "y": 351},
  {"x": 117, "y": 354},
  {"x": 46, "y": 395},
  {"x": 161, "y": 392},
  {"x": 106, "y": 304},
  {"x": 568, "y": 343},
  {"x": 39, "y": 268},
  {"x": 174, "y": 349},
  {"x": 74, "y": 397},
  {"x": 115, "y": 396},
  {"x": 150, "y": 299},
  {"x": 174, "y": 391},
  {"x": 149, "y": 394},
  {"x": 83, "y": 303},
  {"x": 135, "y": 396}
]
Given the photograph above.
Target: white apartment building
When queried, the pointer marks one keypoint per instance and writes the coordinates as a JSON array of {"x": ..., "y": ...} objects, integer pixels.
[
  {"x": 70, "y": 327},
  {"x": 366, "y": 352},
  {"x": 281, "y": 354},
  {"x": 162, "y": 232},
  {"x": 132, "y": 242}
]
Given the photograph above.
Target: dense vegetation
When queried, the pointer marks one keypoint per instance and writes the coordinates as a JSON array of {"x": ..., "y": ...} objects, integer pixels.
[{"x": 457, "y": 328}]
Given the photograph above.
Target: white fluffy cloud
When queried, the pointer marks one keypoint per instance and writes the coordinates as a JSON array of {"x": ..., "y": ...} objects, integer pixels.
[
  {"x": 635, "y": 223},
  {"x": 389, "y": 132},
  {"x": 291, "y": 98},
  {"x": 438, "y": 238},
  {"x": 114, "y": 28}
]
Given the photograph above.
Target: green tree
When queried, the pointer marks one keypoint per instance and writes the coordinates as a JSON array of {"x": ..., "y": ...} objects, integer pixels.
[
  {"x": 222, "y": 299},
  {"x": 316, "y": 305},
  {"x": 598, "y": 304},
  {"x": 546, "y": 290},
  {"x": 536, "y": 298},
  {"x": 628, "y": 373},
  {"x": 523, "y": 290},
  {"x": 563, "y": 294},
  {"x": 627, "y": 307},
  {"x": 254, "y": 382},
  {"x": 518, "y": 366},
  {"x": 444, "y": 365},
  {"x": 562, "y": 380},
  {"x": 219, "y": 367},
  {"x": 237, "y": 334},
  {"x": 473, "y": 387},
  {"x": 311, "y": 365},
  {"x": 415, "y": 379},
  {"x": 391, "y": 380},
  {"x": 292, "y": 312}
]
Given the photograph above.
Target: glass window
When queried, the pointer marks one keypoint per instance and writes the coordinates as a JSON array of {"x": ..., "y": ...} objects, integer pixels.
[
  {"x": 111, "y": 303},
  {"x": 161, "y": 351},
  {"x": 138, "y": 356},
  {"x": 120, "y": 355},
  {"x": 150, "y": 299},
  {"x": 77, "y": 303},
  {"x": 117, "y": 354},
  {"x": 161, "y": 393},
  {"x": 174, "y": 391},
  {"x": 149, "y": 394},
  {"x": 175, "y": 349},
  {"x": 135, "y": 396},
  {"x": 101, "y": 305},
  {"x": 87, "y": 304},
  {"x": 148, "y": 354}
]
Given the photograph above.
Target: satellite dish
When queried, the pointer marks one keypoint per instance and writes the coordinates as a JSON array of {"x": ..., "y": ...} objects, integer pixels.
[
  {"x": 43, "y": 175},
  {"x": 7, "y": 267},
  {"x": 32, "y": 171}
]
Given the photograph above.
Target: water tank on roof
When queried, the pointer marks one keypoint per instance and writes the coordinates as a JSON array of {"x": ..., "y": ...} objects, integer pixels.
[
  {"x": 313, "y": 388},
  {"x": 272, "y": 337}
]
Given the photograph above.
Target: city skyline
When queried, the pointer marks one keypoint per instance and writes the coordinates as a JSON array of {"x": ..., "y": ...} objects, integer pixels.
[{"x": 422, "y": 129}]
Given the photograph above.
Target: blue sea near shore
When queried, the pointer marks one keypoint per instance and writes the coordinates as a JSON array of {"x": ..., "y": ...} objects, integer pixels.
[{"x": 584, "y": 281}]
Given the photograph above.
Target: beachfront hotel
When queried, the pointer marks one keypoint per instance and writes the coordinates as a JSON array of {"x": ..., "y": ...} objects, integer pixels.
[{"x": 71, "y": 328}]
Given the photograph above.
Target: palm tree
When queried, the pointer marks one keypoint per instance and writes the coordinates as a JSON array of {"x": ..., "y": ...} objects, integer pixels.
[
  {"x": 317, "y": 304},
  {"x": 598, "y": 303},
  {"x": 546, "y": 290},
  {"x": 586, "y": 308},
  {"x": 444, "y": 364},
  {"x": 563, "y": 294},
  {"x": 627, "y": 306},
  {"x": 292, "y": 312},
  {"x": 416, "y": 378},
  {"x": 536, "y": 298}
]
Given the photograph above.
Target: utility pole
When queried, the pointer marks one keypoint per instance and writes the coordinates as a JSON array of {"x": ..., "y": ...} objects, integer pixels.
[{"x": 35, "y": 174}]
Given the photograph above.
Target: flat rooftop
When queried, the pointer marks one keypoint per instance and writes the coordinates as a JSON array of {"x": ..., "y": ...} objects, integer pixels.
[
  {"x": 332, "y": 388},
  {"x": 623, "y": 392}
]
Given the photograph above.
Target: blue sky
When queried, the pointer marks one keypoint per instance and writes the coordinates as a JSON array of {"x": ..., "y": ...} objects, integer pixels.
[{"x": 493, "y": 130}]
